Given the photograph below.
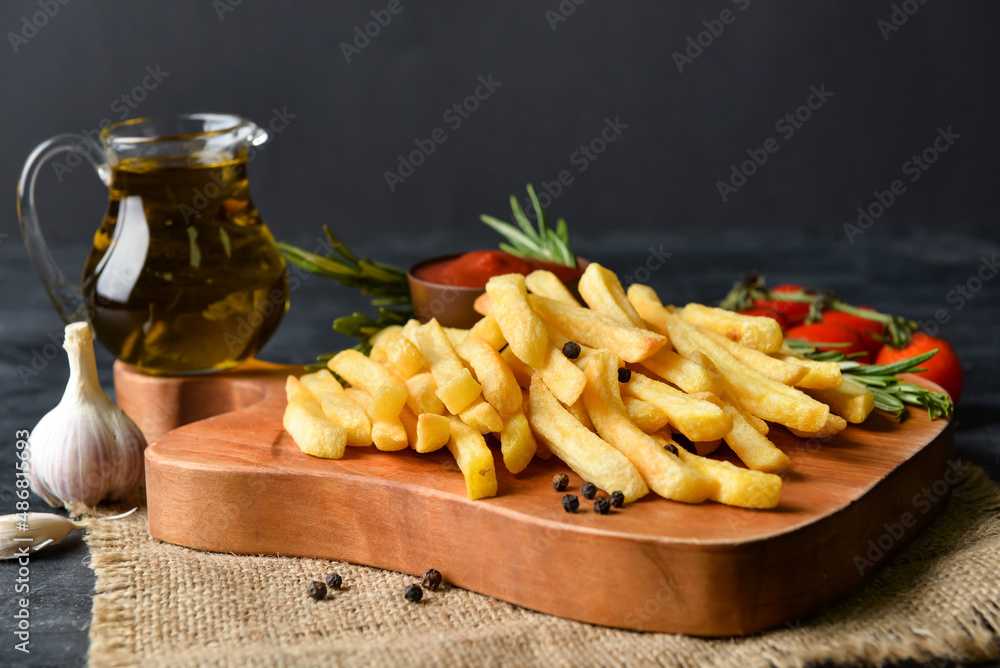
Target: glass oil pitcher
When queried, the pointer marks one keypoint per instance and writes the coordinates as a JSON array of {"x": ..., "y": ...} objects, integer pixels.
[{"x": 183, "y": 276}]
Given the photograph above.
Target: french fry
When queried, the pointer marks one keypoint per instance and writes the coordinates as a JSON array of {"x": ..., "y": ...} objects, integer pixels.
[
  {"x": 401, "y": 354},
  {"x": 523, "y": 330},
  {"x": 433, "y": 432},
  {"x": 819, "y": 375},
  {"x": 697, "y": 419},
  {"x": 598, "y": 331},
  {"x": 735, "y": 486},
  {"x": 752, "y": 447},
  {"x": 474, "y": 459},
  {"x": 757, "y": 332},
  {"x": 644, "y": 415},
  {"x": 422, "y": 394},
  {"x": 338, "y": 407},
  {"x": 456, "y": 336},
  {"x": 388, "y": 391},
  {"x": 482, "y": 305},
  {"x": 487, "y": 329},
  {"x": 705, "y": 448},
  {"x": 388, "y": 435},
  {"x": 482, "y": 417},
  {"x": 586, "y": 453},
  {"x": 517, "y": 443},
  {"x": 759, "y": 425},
  {"x": 455, "y": 385},
  {"x": 775, "y": 369},
  {"x": 662, "y": 471},
  {"x": 307, "y": 425},
  {"x": 578, "y": 410},
  {"x": 499, "y": 385},
  {"x": 851, "y": 401},
  {"x": 379, "y": 341},
  {"x": 409, "y": 421},
  {"x": 686, "y": 374},
  {"x": 765, "y": 398},
  {"x": 603, "y": 292},
  {"x": 547, "y": 284},
  {"x": 410, "y": 330},
  {"x": 560, "y": 375},
  {"x": 834, "y": 425}
]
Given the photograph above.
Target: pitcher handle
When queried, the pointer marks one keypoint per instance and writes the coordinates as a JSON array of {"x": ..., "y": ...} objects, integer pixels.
[{"x": 67, "y": 297}]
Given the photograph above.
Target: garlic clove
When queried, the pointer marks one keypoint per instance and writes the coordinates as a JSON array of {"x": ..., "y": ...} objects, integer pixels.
[{"x": 35, "y": 531}]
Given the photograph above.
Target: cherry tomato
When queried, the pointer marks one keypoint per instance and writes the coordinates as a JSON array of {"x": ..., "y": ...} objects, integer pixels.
[
  {"x": 866, "y": 329},
  {"x": 768, "y": 313},
  {"x": 823, "y": 332},
  {"x": 794, "y": 312},
  {"x": 944, "y": 368}
]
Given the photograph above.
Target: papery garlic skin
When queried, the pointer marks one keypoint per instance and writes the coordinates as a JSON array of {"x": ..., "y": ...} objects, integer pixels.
[{"x": 85, "y": 449}]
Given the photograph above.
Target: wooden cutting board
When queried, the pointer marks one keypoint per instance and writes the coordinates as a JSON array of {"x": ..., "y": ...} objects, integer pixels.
[{"x": 232, "y": 480}]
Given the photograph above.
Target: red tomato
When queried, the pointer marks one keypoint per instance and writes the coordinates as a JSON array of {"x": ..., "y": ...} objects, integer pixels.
[
  {"x": 944, "y": 368},
  {"x": 866, "y": 329},
  {"x": 768, "y": 313},
  {"x": 823, "y": 332},
  {"x": 794, "y": 312}
]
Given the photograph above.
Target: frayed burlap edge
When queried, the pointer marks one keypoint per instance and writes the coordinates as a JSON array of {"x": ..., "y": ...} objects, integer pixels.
[{"x": 162, "y": 605}]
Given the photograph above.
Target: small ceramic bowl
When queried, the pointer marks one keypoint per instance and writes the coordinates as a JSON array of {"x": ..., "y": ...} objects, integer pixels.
[{"x": 452, "y": 305}]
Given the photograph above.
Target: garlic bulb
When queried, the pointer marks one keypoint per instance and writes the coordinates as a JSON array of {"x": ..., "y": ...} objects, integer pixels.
[
  {"x": 34, "y": 531},
  {"x": 85, "y": 449}
]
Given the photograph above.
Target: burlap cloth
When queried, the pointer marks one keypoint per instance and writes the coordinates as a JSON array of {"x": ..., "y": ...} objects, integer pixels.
[{"x": 163, "y": 605}]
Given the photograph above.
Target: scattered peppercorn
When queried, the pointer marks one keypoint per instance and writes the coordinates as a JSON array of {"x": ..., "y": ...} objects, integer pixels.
[
  {"x": 671, "y": 448},
  {"x": 317, "y": 590},
  {"x": 617, "y": 499},
  {"x": 571, "y": 349},
  {"x": 432, "y": 579},
  {"x": 602, "y": 505},
  {"x": 589, "y": 490},
  {"x": 570, "y": 503},
  {"x": 559, "y": 481},
  {"x": 413, "y": 593},
  {"x": 624, "y": 374},
  {"x": 333, "y": 580}
]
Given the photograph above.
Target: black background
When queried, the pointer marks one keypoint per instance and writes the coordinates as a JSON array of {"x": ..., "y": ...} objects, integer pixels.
[{"x": 685, "y": 129}]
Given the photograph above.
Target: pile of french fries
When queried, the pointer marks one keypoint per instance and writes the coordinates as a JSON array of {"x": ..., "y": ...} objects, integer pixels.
[{"x": 696, "y": 376}]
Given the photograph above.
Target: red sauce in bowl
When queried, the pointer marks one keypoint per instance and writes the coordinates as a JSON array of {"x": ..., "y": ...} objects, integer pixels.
[{"x": 473, "y": 269}]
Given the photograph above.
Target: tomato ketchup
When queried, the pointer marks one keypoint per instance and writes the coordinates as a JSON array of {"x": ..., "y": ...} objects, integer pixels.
[{"x": 473, "y": 269}]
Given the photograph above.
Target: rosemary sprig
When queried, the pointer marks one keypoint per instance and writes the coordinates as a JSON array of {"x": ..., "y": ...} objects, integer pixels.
[
  {"x": 892, "y": 393},
  {"x": 545, "y": 243}
]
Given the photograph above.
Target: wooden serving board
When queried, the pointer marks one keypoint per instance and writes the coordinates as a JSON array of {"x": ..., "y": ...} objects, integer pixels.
[{"x": 236, "y": 482}]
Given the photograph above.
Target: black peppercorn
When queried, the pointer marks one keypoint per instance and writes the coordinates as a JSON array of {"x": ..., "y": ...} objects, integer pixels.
[
  {"x": 317, "y": 590},
  {"x": 602, "y": 505},
  {"x": 570, "y": 503},
  {"x": 413, "y": 593},
  {"x": 432, "y": 579},
  {"x": 571, "y": 349},
  {"x": 624, "y": 374},
  {"x": 589, "y": 490},
  {"x": 559, "y": 481},
  {"x": 333, "y": 580},
  {"x": 671, "y": 448},
  {"x": 617, "y": 499}
]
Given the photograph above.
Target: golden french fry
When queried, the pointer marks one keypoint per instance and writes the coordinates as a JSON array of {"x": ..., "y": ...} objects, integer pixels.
[
  {"x": 560, "y": 375},
  {"x": 523, "y": 330},
  {"x": 819, "y": 375},
  {"x": 834, "y": 425},
  {"x": 752, "y": 447},
  {"x": 488, "y": 330},
  {"x": 388, "y": 391},
  {"x": 592, "y": 329},
  {"x": 409, "y": 421},
  {"x": 456, "y": 336},
  {"x": 759, "y": 425},
  {"x": 753, "y": 331},
  {"x": 697, "y": 419},
  {"x": 388, "y": 435},
  {"x": 775, "y": 369},
  {"x": 645, "y": 415},
  {"x": 338, "y": 407},
  {"x": 499, "y": 385},
  {"x": 422, "y": 394},
  {"x": 482, "y": 305},
  {"x": 689, "y": 375},
  {"x": 587, "y": 454},
  {"x": 852, "y": 401},
  {"x": 474, "y": 459},
  {"x": 455, "y": 385},
  {"x": 517, "y": 443},
  {"x": 765, "y": 398},
  {"x": 410, "y": 330},
  {"x": 603, "y": 292},
  {"x": 378, "y": 341},
  {"x": 400, "y": 353},
  {"x": 662, "y": 471},
  {"x": 735, "y": 486},
  {"x": 481, "y": 416},
  {"x": 433, "y": 432},
  {"x": 547, "y": 284},
  {"x": 307, "y": 425},
  {"x": 578, "y": 410},
  {"x": 705, "y": 448}
]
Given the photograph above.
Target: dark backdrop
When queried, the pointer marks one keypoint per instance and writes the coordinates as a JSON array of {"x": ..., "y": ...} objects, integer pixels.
[{"x": 348, "y": 121}]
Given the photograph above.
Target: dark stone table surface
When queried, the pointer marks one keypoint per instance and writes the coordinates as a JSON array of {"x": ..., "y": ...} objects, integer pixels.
[{"x": 908, "y": 273}]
